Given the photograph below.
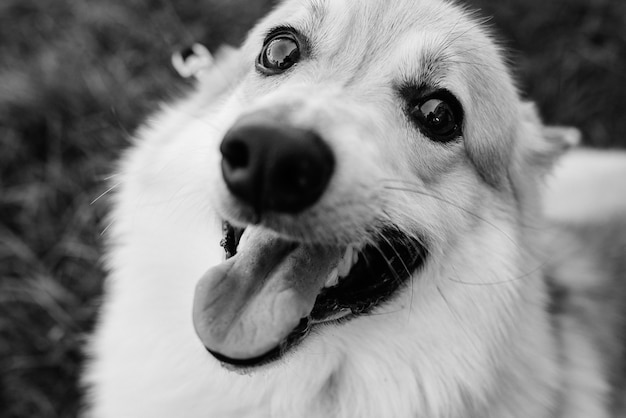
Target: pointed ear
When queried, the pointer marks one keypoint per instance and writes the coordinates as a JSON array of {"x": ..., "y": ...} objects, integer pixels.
[
  {"x": 537, "y": 149},
  {"x": 215, "y": 73},
  {"x": 191, "y": 61},
  {"x": 564, "y": 137},
  {"x": 226, "y": 70},
  {"x": 541, "y": 146}
]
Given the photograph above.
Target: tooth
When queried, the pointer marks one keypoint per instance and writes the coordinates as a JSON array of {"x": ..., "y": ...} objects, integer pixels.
[
  {"x": 355, "y": 257},
  {"x": 347, "y": 261},
  {"x": 343, "y": 268},
  {"x": 347, "y": 257},
  {"x": 333, "y": 278},
  {"x": 337, "y": 315}
]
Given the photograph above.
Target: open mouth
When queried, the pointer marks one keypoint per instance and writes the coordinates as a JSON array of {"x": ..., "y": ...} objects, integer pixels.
[{"x": 270, "y": 292}]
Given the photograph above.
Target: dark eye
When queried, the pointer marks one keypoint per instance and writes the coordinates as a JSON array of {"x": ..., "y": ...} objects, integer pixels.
[
  {"x": 439, "y": 116},
  {"x": 280, "y": 52}
]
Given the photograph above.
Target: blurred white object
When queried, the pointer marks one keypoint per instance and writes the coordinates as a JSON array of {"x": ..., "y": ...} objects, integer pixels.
[
  {"x": 192, "y": 61},
  {"x": 587, "y": 184}
]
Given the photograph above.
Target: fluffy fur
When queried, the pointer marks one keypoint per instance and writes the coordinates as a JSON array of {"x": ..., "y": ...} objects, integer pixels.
[{"x": 470, "y": 336}]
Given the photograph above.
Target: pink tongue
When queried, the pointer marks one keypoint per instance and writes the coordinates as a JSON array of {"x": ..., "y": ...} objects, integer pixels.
[{"x": 244, "y": 307}]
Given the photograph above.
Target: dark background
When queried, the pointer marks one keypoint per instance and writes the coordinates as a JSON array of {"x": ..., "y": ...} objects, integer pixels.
[{"x": 76, "y": 77}]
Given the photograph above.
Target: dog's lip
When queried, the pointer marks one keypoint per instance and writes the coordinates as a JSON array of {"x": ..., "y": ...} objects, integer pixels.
[
  {"x": 381, "y": 269},
  {"x": 236, "y": 364}
]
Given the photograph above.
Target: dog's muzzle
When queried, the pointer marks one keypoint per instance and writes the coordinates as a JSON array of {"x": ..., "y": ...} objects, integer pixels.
[
  {"x": 275, "y": 167},
  {"x": 269, "y": 292}
]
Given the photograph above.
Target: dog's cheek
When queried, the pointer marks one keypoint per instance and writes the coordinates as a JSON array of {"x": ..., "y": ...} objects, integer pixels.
[{"x": 488, "y": 146}]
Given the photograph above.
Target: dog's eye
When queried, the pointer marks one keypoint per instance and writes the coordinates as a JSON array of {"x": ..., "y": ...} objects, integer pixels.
[
  {"x": 280, "y": 52},
  {"x": 439, "y": 116}
]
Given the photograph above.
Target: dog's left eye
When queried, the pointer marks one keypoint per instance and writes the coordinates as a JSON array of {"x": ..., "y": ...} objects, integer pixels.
[
  {"x": 280, "y": 52},
  {"x": 438, "y": 114}
]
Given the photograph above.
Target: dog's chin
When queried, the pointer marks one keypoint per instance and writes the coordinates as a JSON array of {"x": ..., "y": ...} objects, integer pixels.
[{"x": 271, "y": 291}]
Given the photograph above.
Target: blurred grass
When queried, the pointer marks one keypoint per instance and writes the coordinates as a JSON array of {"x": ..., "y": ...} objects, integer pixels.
[
  {"x": 77, "y": 77},
  {"x": 570, "y": 56}
]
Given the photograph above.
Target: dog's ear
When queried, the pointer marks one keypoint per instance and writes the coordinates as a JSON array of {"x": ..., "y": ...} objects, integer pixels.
[
  {"x": 536, "y": 150},
  {"x": 216, "y": 73},
  {"x": 564, "y": 137},
  {"x": 227, "y": 69},
  {"x": 540, "y": 146}
]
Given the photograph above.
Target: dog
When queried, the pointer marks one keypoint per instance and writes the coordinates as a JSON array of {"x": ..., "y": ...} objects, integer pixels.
[{"x": 346, "y": 219}]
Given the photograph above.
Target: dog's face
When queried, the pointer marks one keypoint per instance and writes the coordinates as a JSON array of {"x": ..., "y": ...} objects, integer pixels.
[{"x": 358, "y": 143}]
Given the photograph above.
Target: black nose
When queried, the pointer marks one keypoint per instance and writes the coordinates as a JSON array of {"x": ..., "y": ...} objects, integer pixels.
[{"x": 276, "y": 167}]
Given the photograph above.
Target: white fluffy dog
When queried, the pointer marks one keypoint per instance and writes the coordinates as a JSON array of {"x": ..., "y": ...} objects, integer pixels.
[{"x": 345, "y": 221}]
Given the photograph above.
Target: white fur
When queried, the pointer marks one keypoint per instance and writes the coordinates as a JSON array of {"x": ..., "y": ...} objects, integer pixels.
[
  {"x": 587, "y": 184},
  {"x": 468, "y": 338}
]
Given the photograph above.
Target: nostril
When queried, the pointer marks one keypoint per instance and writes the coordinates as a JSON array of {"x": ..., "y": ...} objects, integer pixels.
[{"x": 236, "y": 153}]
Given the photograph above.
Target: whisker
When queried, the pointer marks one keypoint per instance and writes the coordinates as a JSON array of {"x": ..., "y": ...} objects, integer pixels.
[
  {"x": 443, "y": 200},
  {"x": 477, "y": 64},
  {"x": 478, "y": 47},
  {"x": 446, "y": 39},
  {"x": 529, "y": 273},
  {"x": 450, "y": 41},
  {"x": 109, "y": 190},
  {"x": 446, "y": 302},
  {"x": 104, "y": 231},
  {"x": 482, "y": 219},
  {"x": 393, "y": 271},
  {"x": 106, "y": 178},
  {"x": 406, "y": 268}
]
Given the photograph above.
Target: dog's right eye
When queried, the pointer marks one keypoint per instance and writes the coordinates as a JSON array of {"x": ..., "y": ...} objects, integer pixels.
[
  {"x": 280, "y": 52},
  {"x": 438, "y": 114}
]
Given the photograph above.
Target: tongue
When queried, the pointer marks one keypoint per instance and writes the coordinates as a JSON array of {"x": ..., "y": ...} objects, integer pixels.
[{"x": 246, "y": 306}]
